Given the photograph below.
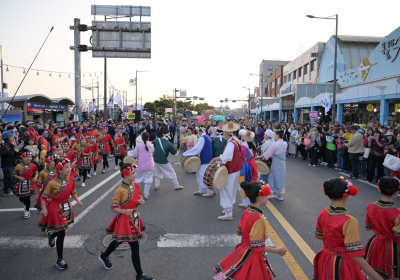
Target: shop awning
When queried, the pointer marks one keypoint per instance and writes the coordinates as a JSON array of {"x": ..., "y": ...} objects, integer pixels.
[{"x": 36, "y": 98}]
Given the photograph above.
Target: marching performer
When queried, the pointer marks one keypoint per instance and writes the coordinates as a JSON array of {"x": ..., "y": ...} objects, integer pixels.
[
  {"x": 85, "y": 161},
  {"x": 144, "y": 154},
  {"x": 73, "y": 138},
  {"x": 57, "y": 138},
  {"x": 94, "y": 149},
  {"x": 57, "y": 212},
  {"x": 163, "y": 147},
  {"x": 45, "y": 176},
  {"x": 183, "y": 136},
  {"x": 68, "y": 153},
  {"x": 119, "y": 151},
  {"x": 249, "y": 172},
  {"x": 105, "y": 150},
  {"x": 26, "y": 174},
  {"x": 218, "y": 142},
  {"x": 205, "y": 151},
  {"x": 127, "y": 226},
  {"x": 249, "y": 260},
  {"x": 233, "y": 161}
]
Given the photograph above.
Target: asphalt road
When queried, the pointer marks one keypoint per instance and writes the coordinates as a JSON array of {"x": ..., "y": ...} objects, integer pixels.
[{"x": 203, "y": 240}]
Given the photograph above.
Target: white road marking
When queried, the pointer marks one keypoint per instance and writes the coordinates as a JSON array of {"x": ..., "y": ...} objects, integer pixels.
[
  {"x": 17, "y": 242},
  {"x": 201, "y": 240},
  {"x": 94, "y": 204},
  {"x": 166, "y": 241}
]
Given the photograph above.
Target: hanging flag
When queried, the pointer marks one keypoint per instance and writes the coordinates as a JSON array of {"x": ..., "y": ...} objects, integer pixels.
[
  {"x": 111, "y": 101},
  {"x": 118, "y": 100}
]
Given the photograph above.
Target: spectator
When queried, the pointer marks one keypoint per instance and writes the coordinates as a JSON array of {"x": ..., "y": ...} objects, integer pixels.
[
  {"x": 260, "y": 134},
  {"x": 31, "y": 126},
  {"x": 172, "y": 130},
  {"x": 375, "y": 158},
  {"x": 355, "y": 148},
  {"x": 8, "y": 155},
  {"x": 395, "y": 151},
  {"x": 25, "y": 136},
  {"x": 151, "y": 129},
  {"x": 390, "y": 140},
  {"x": 38, "y": 123},
  {"x": 331, "y": 147},
  {"x": 292, "y": 142},
  {"x": 339, "y": 146},
  {"x": 315, "y": 147},
  {"x": 41, "y": 140}
]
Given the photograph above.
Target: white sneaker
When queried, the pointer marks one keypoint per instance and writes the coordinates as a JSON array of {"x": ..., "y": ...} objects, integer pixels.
[
  {"x": 116, "y": 168},
  {"x": 83, "y": 184},
  {"x": 309, "y": 164},
  {"x": 314, "y": 165},
  {"x": 27, "y": 214},
  {"x": 88, "y": 176},
  {"x": 8, "y": 194},
  {"x": 225, "y": 218},
  {"x": 271, "y": 196},
  {"x": 325, "y": 163},
  {"x": 107, "y": 168},
  {"x": 104, "y": 171},
  {"x": 94, "y": 173},
  {"x": 279, "y": 197}
]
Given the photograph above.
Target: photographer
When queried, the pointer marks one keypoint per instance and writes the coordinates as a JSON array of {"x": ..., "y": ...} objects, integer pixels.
[{"x": 375, "y": 158}]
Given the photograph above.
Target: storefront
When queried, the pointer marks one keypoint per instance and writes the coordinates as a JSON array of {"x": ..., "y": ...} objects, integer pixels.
[{"x": 52, "y": 110}]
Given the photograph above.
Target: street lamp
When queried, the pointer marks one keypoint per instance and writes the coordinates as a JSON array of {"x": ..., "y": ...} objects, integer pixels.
[
  {"x": 248, "y": 109},
  {"x": 136, "y": 83},
  {"x": 334, "y": 17}
]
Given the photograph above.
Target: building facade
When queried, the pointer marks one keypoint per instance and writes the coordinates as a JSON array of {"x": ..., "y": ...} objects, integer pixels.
[{"x": 267, "y": 68}]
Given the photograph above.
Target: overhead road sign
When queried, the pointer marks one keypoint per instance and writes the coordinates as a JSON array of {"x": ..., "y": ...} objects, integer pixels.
[{"x": 120, "y": 10}]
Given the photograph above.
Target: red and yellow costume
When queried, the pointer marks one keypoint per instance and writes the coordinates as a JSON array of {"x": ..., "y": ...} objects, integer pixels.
[
  {"x": 72, "y": 157},
  {"x": 59, "y": 210},
  {"x": 126, "y": 228},
  {"x": 342, "y": 242},
  {"x": 248, "y": 261},
  {"x": 105, "y": 140},
  {"x": 26, "y": 188},
  {"x": 94, "y": 149},
  {"x": 84, "y": 158},
  {"x": 382, "y": 250},
  {"x": 45, "y": 176},
  {"x": 119, "y": 142}
]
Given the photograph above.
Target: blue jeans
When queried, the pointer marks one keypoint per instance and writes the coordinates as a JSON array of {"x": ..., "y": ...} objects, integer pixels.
[
  {"x": 362, "y": 166},
  {"x": 339, "y": 159}
]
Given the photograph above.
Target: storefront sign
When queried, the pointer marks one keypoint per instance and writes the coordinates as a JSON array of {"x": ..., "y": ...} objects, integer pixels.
[
  {"x": 391, "y": 45},
  {"x": 350, "y": 108},
  {"x": 11, "y": 117},
  {"x": 370, "y": 107},
  {"x": 288, "y": 89},
  {"x": 314, "y": 115},
  {"x": 131, "y": 116},
  {"x": 34, "y": 110},
  {"x": 397, "y": 108},
  {"x": 55, "y": 107}
]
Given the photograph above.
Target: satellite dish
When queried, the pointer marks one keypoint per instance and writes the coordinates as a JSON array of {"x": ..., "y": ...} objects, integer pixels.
[{"x": 132, "y": 82}]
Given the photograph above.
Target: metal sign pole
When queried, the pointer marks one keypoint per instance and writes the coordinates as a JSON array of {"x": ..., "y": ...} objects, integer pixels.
[
  {"x": 77, "y": 57},
  {"x": 2, "y": 81}
]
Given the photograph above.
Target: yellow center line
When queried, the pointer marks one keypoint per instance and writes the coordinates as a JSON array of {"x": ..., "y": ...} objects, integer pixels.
[
  {"x": 307, "y": 251},
  {"x": 294, "y": 267}
]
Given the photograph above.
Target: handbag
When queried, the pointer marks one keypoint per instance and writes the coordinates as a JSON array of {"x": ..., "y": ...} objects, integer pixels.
[
  {"x": 392, "y": 162},
  {"x": 378, "y": 154},
  {"x": 366, "y": 152},
  {"x": 307, "y": 142}
]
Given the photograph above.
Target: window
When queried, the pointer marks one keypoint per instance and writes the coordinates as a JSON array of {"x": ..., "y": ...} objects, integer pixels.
[
  {"x": 266, "y": 79},
  {"x": 269, "y": 87},
  {"x": 273, "y": 84},
  {"x": 289, "y": 77},
  {"x": 299, "y": 71},
  {"x": 306, "y": 69},
  {"x": 284, "y": 79},
  {"x": 270, "y": 67},
  {"x": 294, "y": 75},
  {"x": 277, "y": 67},
  {"x": 278, "y": 81},
  {"x": 312, "y": 65}
]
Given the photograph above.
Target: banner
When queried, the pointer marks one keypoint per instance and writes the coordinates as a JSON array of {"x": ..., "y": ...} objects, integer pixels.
[
  {"x": 118, "y": 100},
  {"x": 131, "y": 116},
  {"x": 90, "y": 107},
  {"x": 111, "y": 100},
  {"x": 314, "y": 115},
  {"x": 326, "y": 101},
  {"x": 168, "y": 110}
]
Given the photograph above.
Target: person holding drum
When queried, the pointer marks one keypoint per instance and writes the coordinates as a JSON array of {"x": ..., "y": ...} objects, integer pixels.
[
  {"x": 205, "y": 151},
  {"x": 277, "y": 151},
  {"x": 218, "y": 142},
  {"x": 144, "y": 154},
  {"x": 233, "y": 162},
  {"x": 162, "y": 167},
  {"x": 119, "y": 151}
]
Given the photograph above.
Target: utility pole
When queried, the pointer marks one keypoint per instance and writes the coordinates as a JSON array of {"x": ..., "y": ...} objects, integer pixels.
[
  {"x": 2, "y": 81},
  {"x": 77, "y": 57},
  {"x": 136, "y": 90},
  {"x": 98, "y": 98},
  {"x": 105, "y": 84},
  {"x": 175, "y": 91},
  {"x": 93, "y": 100}
]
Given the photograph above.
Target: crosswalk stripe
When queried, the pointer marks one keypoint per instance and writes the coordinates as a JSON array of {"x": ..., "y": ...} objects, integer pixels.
[{"x": 18, "y": 242}]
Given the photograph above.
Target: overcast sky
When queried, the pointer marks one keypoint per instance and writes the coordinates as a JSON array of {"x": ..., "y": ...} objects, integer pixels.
[{"x": 208, "y": 48}]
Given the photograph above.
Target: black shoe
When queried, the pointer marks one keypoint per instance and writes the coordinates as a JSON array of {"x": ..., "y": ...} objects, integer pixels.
[
  {"x": 52, "y": 241},
  {"x": 61, "y": 264},
  {"x": 106, "y": 262},
  {"x": 352, "y": 177},
  {"x": 144, "y": 277}
]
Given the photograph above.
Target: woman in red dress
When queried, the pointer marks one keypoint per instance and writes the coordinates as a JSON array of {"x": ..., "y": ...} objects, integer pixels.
[
  {"x": 119, "y": 149},
  {"x": 342, "y": 256},
  {"x": 85, "y": 161},
  {"x": 45, "y": 176},
  {"x": 57, "y": 212},
  {"x": 105, "y": 141},
  {"x": 68, "y": 153},
  {"x": 94, "y": 152},
  {"x": 26, "y": 173},
  {"x": 249, "y": 260},
  {"x": 382, "y": 250},
  {"x": 127, "y": 225}
]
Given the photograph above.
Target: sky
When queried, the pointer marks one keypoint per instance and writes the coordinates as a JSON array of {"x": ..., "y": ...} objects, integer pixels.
[{"x": 207, "y": 48}]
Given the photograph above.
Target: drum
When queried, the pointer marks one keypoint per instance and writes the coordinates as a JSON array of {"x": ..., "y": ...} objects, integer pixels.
[
  {"x": 85, "y": 162},
  {"x": 215, "y": 176},
  {"x": 102, "y": 147},
  {"x": 190, "y": 163},
  {"x": 258, "y": 151},
  {"x": 92, "y": 155},
  {"x": 129, "y": 160},
  {"x": 262, "y": 166}
]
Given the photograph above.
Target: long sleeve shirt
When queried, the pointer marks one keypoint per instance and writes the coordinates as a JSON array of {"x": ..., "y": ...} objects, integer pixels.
[
  {"x": 228, "y": 153},
  {"x": 277, "y": 148},
  {"x": 196, "y": 150}
]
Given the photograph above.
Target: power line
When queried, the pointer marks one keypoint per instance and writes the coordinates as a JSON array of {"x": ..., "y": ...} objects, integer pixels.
[{"x": 95, "y": 73}]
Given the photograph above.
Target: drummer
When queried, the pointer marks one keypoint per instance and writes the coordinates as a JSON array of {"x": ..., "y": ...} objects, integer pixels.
[
  {"x": 218, "y": 142},
  {"x": 204, "y": 150},
  {"x": 233, "y": 162},
  {"x": 162, "y": 167}
]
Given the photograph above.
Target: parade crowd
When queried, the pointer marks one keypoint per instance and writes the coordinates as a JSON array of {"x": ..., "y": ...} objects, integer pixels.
[{"x": 44, "y": 161}]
